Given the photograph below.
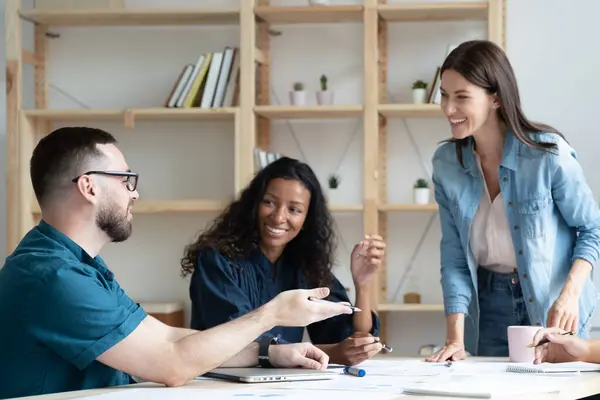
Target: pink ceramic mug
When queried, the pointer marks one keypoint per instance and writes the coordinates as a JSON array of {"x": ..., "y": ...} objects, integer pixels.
[{"x": 518, "y": 339}]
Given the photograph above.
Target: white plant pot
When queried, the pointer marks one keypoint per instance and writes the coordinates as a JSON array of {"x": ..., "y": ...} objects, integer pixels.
[
  {"x": 325, "y": 97},
  {"x": 419, "y": 95},
  {"x": 298, "y": 97},
  {"x": 421, "y": 195},
  {"x": 319, "y": 2},
  {"x": 334, "y": 196}
]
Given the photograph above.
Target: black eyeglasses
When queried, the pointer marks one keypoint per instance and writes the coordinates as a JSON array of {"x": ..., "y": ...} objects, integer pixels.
[{"x": 130, "y": 183}]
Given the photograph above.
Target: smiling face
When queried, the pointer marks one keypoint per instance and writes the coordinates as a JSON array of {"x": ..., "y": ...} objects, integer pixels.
[
  {"x": 281, "y": 214},
  {"x": 468, "y": 107}
]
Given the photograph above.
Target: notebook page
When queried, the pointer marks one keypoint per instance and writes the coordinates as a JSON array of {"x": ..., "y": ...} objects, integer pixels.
[
  {"x": 576, "y": 366},
  {"x": 485, "y": 387}
]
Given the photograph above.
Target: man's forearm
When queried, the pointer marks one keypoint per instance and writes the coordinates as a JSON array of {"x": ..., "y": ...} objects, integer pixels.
[
  {"x": 580, "y": 271},
  {"x": 206, "y": 350},
  {"x": 248, "y": 357},
  {"x": 176, "y": 333},
  {"x": 362, "y": 320},
  {"x": 455, "y": 327}
]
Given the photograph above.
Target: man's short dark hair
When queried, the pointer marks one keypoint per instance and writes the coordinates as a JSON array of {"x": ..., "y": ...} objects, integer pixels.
[{"x": 61, "y": 156}]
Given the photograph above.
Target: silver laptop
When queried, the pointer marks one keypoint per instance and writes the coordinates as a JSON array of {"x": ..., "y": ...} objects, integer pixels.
[{"x": 257, "y": 374}]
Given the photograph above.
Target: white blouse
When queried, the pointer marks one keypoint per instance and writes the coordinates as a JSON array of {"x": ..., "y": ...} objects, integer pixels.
[{"x": 491, "y": 240}]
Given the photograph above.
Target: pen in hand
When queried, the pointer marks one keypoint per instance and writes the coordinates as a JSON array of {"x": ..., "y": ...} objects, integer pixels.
[
  {"x": 546, "y": 340},
  {"x": 355, "y": 309}
]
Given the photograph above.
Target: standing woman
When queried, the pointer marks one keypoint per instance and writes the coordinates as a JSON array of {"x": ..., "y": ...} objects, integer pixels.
[
  {"x": 520, "y": 227},
  {"x": 279, "y": 235}
]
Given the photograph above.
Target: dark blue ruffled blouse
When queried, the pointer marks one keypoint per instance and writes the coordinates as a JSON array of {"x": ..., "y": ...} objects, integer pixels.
[{"x": 223, "y": 289}]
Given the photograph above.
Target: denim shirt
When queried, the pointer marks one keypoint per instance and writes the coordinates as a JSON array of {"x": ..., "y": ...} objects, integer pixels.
[{"x": 553, "y": 216}]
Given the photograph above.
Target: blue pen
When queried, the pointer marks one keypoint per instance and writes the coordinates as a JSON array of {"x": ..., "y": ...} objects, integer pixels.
[{"x": 355, "y": 371}]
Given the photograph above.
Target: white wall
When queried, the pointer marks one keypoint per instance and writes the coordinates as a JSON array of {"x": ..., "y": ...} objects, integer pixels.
[{"x": 109, "y": 75}]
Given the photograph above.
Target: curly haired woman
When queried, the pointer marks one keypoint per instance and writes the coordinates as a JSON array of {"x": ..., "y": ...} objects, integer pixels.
[{"x": 279, "y": 235}]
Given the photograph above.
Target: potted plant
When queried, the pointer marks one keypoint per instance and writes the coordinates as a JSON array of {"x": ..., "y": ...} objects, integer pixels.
[
  {"x": 419, "y": 92},
  {"x": 421, "y": 191},
  {"x": 333, "y": 183},
  {"x": 298, "y": 95},
  {"x": 324, "y": 96}
]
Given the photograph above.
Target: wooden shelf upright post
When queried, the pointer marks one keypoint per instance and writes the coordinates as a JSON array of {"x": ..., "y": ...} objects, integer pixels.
[
  {"x": 382, "y": 46},
  {"x": 245, "y": 131},
  {"x": 370, "y": 132},
  {"x": 15, "y": 203},
  {"x": 264, "y": 74}
]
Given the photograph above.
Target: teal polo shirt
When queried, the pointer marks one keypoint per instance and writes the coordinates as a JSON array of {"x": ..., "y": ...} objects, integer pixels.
[{"x": 59, "y": 310}]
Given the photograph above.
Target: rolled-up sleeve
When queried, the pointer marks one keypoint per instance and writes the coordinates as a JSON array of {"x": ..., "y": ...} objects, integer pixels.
[
  {"x": 455, "y": 275},
  {"x": 576, "y": 203}
]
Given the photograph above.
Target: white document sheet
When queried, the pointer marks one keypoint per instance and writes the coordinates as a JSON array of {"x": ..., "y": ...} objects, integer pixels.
[{"x": 244, "y": 391}]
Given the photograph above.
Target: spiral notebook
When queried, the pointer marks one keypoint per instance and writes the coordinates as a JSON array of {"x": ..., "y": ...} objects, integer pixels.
[{"x": 549, "y": 368}]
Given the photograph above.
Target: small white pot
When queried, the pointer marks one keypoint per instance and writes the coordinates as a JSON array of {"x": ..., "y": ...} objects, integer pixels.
[
  {"x": 421, "y": 195},
  {"x": 334, "y": 196},
  {"x": 298, "y": 97},
  {"x": 419, "y": 95},
  {"x": 319, "y": 2},
  {"x": 325, "y": 97}
]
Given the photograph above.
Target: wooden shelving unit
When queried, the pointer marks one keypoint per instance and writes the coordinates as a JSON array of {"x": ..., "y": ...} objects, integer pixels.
[
  {"x": 303, "y": 14},
  {"x": 408, "y": 207},
  {"x": 411, "y": 307},
  {"x": 421, "y": 11},
  {"x": 154, "y": 114},
  {"x": 169, "y": 206},
  {"x": 133, "y": 17},
  {"x": 255, "y": 113},
  {"x": 308, "y": 112},
  {"x": 410, "y": 111}
]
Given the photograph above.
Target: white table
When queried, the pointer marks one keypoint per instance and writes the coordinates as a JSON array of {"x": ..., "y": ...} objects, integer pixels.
[{"x": 586, "y": 384}]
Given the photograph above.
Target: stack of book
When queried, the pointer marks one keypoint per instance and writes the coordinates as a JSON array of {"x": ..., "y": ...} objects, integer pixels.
[{"x": 212, "y": 82}]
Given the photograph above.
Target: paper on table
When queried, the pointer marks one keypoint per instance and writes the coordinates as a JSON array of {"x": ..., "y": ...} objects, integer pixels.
[
  {"x": 369, "y": 383},
  {"x": 485, "y": 386},
  {"x": 237, "y": 393}
]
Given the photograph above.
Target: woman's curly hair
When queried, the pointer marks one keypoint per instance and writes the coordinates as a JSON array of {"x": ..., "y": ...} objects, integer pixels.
[{"x": 235, "y": 233}]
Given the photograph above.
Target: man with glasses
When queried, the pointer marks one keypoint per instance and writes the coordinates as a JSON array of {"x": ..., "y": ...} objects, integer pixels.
[{"x": 65, "y": 323}]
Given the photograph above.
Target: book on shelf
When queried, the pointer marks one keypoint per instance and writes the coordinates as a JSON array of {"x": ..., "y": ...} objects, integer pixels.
[
  {"x": 263, "y": 158},
  {"x": 211, "y": 82},
  {"x": 435, "y": 96}
]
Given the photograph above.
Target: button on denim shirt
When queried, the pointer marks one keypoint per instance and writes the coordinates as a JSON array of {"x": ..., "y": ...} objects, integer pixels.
[{"x": 553, "y": 216}]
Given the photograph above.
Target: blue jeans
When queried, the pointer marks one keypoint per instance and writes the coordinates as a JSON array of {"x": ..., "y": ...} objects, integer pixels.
[{"x": 501, "y": 304}]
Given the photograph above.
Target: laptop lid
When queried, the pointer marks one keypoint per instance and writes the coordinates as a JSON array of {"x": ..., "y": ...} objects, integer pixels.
[{"x": 258, "y": 374}]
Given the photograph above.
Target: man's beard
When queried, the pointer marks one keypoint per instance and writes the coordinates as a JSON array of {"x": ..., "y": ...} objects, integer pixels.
[{"x": 113, "y": 223}]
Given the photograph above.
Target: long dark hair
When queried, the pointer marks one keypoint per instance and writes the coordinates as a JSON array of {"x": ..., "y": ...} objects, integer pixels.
[
  {"x": 235, "y": 232},
  {"x": 483, "y": 63}
]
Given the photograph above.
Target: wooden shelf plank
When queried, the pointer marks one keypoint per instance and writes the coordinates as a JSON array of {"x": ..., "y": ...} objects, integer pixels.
[
  {"x": 133, "y": 17},
  {"x": 410, "y": 307},
  {"x": 408, "y": 207},
  {"x": 308, "y": 112},
  {"x": 454, "y": 11},
  {"x": 346, "y": 207},
  {"x": 168, "y": 206},
  {"x": 226, "y": 113},
  {"x": 411, "y": 111},
  {"x": 309, "y": 14}
]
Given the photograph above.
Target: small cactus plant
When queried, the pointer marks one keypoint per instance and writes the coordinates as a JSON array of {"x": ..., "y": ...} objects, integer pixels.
[
  {"x": 419, "y": 84},
  {"x": 421, "y": 184},
  {"x": 298, "y": 86},
  {"x": 323, "y": 83}
]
